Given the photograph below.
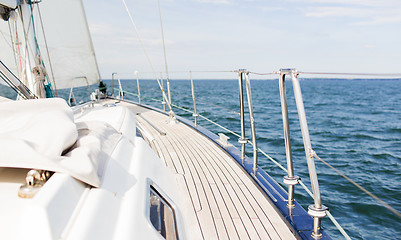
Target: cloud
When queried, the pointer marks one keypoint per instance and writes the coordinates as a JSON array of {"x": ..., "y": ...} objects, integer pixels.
[
  {"x": 370, "y": 46},
  {"x": 380, "y": 20},
  {"x": 337, "y": 12},
  {"x": 360, "y": 12},
  {"x": 214, "y": 1},
  {"x": 360, "y": 3}
]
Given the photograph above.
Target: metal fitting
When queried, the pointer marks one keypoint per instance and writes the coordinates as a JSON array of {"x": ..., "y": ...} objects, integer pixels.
[
  {"x": 317, "y": 212},
  {"x": 243, "y": 140},
  {"x": 35, "y": 179},
  {"x": 285, "y": 71},
  {"x": 291, "y": 180},
  {"x": 312, "y": 153}
]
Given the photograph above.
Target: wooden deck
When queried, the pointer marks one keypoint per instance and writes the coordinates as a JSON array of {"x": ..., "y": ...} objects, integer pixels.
[{"x": 226, "y": 202}]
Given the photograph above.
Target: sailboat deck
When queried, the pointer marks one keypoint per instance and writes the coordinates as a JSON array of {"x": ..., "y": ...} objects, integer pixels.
[{"x": 226, "y": 202}]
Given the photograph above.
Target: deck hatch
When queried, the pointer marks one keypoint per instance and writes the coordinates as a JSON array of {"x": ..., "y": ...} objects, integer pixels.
[{"x": 161, "y": 215}]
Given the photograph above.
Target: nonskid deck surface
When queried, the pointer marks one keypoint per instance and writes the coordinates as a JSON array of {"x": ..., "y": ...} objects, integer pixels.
[{"x": 226, "y": 202}]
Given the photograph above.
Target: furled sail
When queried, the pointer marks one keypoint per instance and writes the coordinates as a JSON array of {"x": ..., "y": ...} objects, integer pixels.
[{"x": 65, "y": 41}]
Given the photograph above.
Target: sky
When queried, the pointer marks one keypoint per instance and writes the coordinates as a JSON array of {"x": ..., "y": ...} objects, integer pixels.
[{"x": 262, "y": 36}]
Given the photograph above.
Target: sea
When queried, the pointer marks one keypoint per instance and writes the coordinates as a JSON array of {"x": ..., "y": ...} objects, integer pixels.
[{"x": 354, "y": 125}]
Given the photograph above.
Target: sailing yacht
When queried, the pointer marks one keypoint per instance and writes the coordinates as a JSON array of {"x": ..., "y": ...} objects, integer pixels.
[{"x": 116, "y": 169}]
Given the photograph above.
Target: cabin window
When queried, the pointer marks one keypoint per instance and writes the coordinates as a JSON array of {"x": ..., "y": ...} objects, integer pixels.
[{"x": 162, "y": 215}]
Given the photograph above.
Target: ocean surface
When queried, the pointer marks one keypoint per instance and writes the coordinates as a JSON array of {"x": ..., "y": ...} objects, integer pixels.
[{"x": 355, "y": 125}]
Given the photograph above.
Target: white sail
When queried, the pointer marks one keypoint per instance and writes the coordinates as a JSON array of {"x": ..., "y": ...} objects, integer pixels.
[{"x": 69, "y": 44}]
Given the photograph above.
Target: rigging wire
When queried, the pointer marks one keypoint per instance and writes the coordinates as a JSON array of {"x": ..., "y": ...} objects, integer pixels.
[
  {"x": 147, "y": 55},
  {"x": 164, "y": 50},
  {"x": 12, "y": 45},
  {"x": 5, "y": 39},
  {"x": 26, "y": 34},
  {"x": 38, "y": 51},
  {"x": 47, "y": 51}
]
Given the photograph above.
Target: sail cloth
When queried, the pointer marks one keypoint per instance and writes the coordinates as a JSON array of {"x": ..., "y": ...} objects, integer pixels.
[
  {"x": 70, "y": 44},
  {"x": 68, "y": 41},
  {"x": 41, "y": 134}
]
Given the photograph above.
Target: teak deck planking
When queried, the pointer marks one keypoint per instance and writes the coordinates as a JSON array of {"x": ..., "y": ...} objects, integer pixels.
[{"x": 227, "y": 203}]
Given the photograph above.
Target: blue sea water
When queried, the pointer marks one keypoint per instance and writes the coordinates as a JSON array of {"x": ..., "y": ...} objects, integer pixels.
[{"x": 355, "y": 125}]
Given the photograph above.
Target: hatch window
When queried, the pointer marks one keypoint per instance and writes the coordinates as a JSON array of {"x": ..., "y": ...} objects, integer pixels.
[{"x": 162, "y": 215}]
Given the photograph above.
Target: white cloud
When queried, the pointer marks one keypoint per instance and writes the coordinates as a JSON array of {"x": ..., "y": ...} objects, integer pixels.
[
  {"x": 360, "y": 12},
  {"x": 379, "y": 20},
  {"x": 214, "y": 1},
  {"x": 337, "y": 12},
  {"x": 366, "y": 3},
  {"x": 370, "y": 46}
]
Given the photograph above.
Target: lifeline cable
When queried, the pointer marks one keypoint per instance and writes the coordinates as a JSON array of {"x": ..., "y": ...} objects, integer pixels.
[
  {"x": 354, "y": 74},
  {"x": 397, "y": 213}
]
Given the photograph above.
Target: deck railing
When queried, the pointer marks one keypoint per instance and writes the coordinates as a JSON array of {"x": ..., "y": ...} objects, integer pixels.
[
  {"x": 244, "y": 73},
  {"x": 317, "y": 210}
]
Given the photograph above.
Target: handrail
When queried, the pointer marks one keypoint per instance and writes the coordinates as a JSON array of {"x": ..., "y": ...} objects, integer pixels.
[
  {"x": 112, "y": 83},
  {"x": 137, "y": 84},
  {"x": 291, "y": 180},
  {"x": 195, "y": 115},
  {"x": 317, "y": 211},
  {"x": 252, "y": 122},
  {"x": 71, "y": 98},
  {"x": 120, "y": 88},
  {"x": 242, "y": 140}
]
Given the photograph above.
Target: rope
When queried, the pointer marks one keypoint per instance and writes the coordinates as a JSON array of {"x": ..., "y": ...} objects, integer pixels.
[{"x": 397, "y": 213}]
